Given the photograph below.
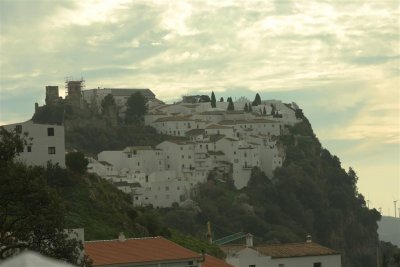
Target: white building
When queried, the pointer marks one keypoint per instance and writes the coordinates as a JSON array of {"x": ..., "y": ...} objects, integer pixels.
[
  {"x": 136, "y": 158},
  {"x": 102, "y": 168},
  {"x": 162, "y": 193},
  {"x": 45, "y": 143},
  {"x": 94, "y": 97},
  {"x": 308, "y": 254}
]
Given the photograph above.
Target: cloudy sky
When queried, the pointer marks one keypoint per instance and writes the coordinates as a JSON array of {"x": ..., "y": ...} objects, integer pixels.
[{"x": 339, "y": 60}]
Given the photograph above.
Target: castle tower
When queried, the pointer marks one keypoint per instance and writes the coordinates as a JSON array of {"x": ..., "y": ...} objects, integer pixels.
[
  {"x": 51, "y": 95},
  {"x": 74, "y": 93}
]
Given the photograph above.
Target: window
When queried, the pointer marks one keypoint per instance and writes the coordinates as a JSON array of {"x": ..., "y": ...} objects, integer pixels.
[
  {"x": 129, "y": 155},
  {"x": 181, "y": 148},
  {"x": 138, "y": 163},
  {"x": 166, "y": 188},
  {"x": 137, "y": 198},
  {"x": 252, "y": 265},
  {"x": 29, "y": 149},
  {"x": 281, "y": 265},
  {"x": 317, "y": 264},
  {"x": 183, "y": 156},
  {"x": 52, "y": 150},
  {"x": 50, "y": 131},
  {"x": 18, "y": 128}
]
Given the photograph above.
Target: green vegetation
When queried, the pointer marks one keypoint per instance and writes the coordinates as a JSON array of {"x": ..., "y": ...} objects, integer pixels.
[
  {"x": 76, "y": 162},
  {"x": 231, "y": 106},
  {"x": 257, "y": 100},
  {"x": 213, "y": 100},
  {"x": 135, "y": 109},
  {"x": 310, "y": 194},
  {"x": 93, "y": 138},
  {"x": 31, "y": 212}
]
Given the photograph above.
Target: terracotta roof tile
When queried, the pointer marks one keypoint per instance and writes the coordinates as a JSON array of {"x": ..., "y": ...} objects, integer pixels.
[
  {"x": 137, "y": 250},
  {"x": 284, "y": 250},
  {"x": 214, "y": 262},
  {"x": 295, "y": 250}
]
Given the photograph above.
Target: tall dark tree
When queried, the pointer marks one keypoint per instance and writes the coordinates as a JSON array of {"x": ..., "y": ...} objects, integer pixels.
[
  {"x": 257, "y": 100},
  {"x": 264, "y": 111},
  {"x": 31, "y": 213},
  {"x": 221, "y": 99},
  {"x": 109, "y": 109},
  {"x": 231, "y": 106},
  {"x": 135, "y": 108},
  {"x": 108, "y": 104},
  {"x": 246, "y": 108},
  {"x": 213, "y": 100}
]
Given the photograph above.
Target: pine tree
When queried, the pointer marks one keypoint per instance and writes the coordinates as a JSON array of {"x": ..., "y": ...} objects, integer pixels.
[
  {"x": 246, "y": 108},
  {"x": 257, "y": 100},
  {"x": 231, "y": 106},
  {"x": 221, "y": 99},
  {"x": 213, "y": 100}
]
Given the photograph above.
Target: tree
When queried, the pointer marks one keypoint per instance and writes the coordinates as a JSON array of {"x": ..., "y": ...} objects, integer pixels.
[
  {"x": 204, "y": 99},
  {"x": 231, "y": 106},
  {"x": 246, "y": 108},
  {"x": 76, "y": 162},
  {"x": 264, "y": 111},
  {"x": 213, "y": 100},
  {"x": 136, "y": 108},
  {"x": 107, "y": 104},
  {"x": 257, "y": 100},
  {"x": 221, "y": 99},
  {"x": 31, "y": 213}
]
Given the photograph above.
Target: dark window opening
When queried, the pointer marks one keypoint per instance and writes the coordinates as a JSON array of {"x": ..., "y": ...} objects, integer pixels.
[
  {"x": 50, "y": 131},
  {"x": 29, "y": 149},
  {"x": 18, "y": 129},
  {"x": 317, "y": 264},
  {"x": 52, "y": 150}
]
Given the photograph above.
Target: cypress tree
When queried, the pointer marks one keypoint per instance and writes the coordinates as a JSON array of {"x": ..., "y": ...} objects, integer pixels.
[
  {"x": 246, "y": 108},
  {"x": 213, "y": 100}
]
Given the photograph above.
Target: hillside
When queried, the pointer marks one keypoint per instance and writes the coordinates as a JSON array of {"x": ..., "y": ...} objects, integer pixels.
[
  {"x": 103, "y": 211},
  {"x": 310, "y": 194}
]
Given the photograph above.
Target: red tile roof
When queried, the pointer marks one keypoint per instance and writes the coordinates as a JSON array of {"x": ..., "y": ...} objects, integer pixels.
[
  {"x": 137, "y": 250},
  {"x": 214, "y": 262},
  {"x": 295, "y": 250},
  {"x": 285, "y": 250}
]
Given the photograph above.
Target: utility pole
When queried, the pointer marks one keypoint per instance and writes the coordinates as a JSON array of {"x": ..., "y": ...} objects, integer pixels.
[{"x": 395, "y": 208}]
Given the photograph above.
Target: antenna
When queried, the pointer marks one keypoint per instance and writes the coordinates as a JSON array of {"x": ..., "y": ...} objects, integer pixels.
[{"x": 395, "y": 208}]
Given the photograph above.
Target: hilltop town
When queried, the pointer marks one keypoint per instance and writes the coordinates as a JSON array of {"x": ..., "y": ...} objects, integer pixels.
[{"x": 225, "y": 138}]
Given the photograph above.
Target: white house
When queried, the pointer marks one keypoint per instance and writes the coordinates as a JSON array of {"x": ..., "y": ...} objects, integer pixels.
[
  {"x": 45, "y": 143},
  {"x": 135, "y": 158},
  {"x": 162, "y": 193},
  {"x": 101, "y": 168},
  {"x": 308, "y": 254}
]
